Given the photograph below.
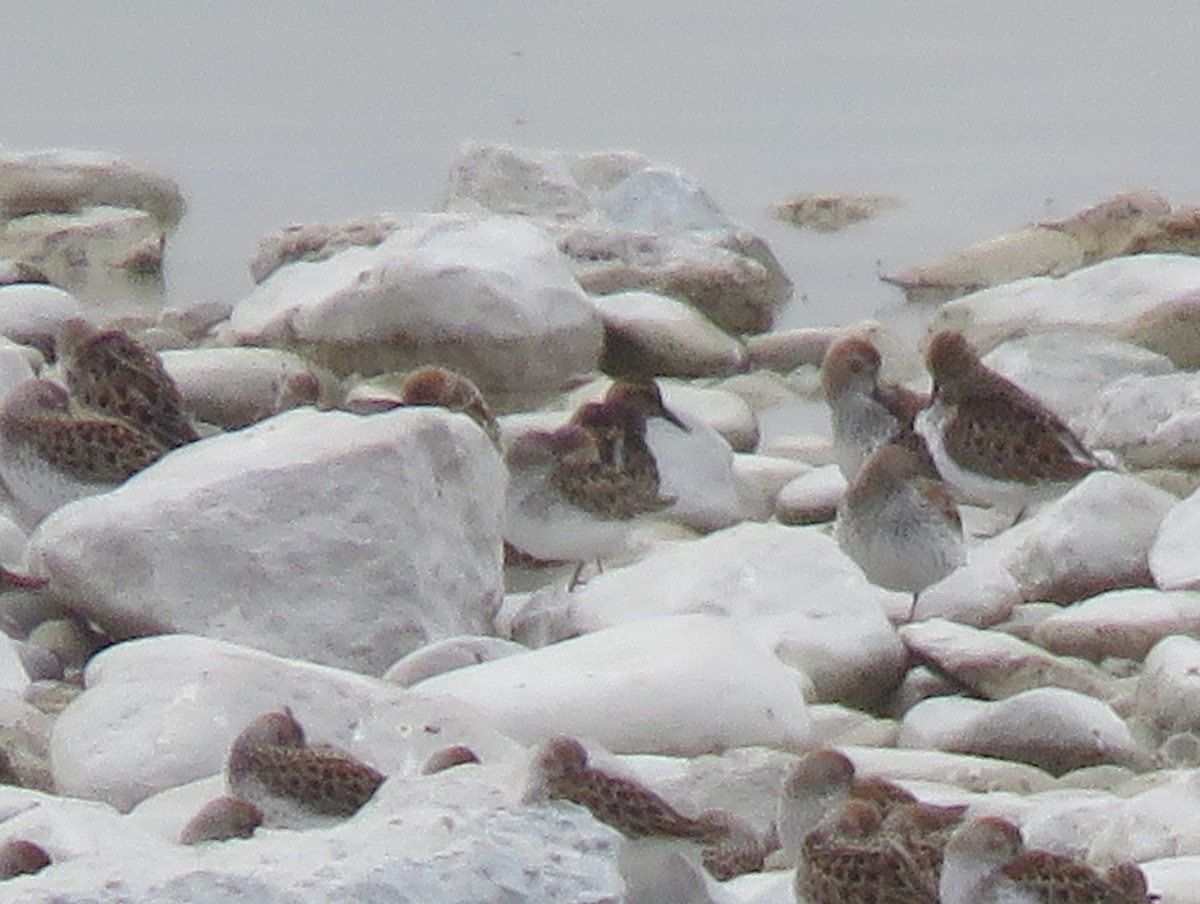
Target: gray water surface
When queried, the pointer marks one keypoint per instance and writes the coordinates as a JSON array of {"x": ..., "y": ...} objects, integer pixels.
[{"x": 983, "y": 116}]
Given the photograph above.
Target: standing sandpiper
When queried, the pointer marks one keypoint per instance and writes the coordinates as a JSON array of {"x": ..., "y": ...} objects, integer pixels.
[
  {"x": 899, "y": 524},
  {"x": 49, "y": 456},
  {"x": 991, "y": 440},
  {"x": 564, "y": 503},
  {"x": 292, "y": 783},
  {"x": 109, "y": 372},
  {"x": 865, "y": 413},
  {"x": 986, "y": 863}
]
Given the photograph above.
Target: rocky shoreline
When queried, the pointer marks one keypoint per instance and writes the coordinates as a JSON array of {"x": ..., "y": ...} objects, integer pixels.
[{"x": 326, "y": 549}]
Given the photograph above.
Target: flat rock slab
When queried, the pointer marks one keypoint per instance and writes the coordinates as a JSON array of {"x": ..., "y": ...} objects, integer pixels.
[
  {"x": 791, "y": 589},
  {"x": 331, "y": 537},
  {"x": 1125, "y": 624},
  {"x": 489, "y": 296},
  {"x": 161, "y": 712},
  {"x": 682, "y": 685}
]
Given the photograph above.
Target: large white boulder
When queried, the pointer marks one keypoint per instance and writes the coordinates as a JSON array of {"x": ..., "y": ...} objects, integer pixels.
[
  {"x": 449, "y": 841},
  {"x": 487, "y": 295},
  {"x": 1067, "y": 370},
  {"x": 161, "y": 712},
  {"x": 682, "y": 685},
  {"x": 791, "y": 589},
  {"x": 1152, "y": 300},
  {"x": 626, "y": 225},
  {"x": 341, "y": 539},
  {"x": 1151, "y": 421}
]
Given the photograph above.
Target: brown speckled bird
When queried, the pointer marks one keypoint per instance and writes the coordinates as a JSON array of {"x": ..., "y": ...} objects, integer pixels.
[
  {"x": 293, "y": 783},
  {"x": 111, "y": 373}
]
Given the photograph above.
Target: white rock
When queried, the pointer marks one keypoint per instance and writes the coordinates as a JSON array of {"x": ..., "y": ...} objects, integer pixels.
[
  {"x": 665, "y": 336},
  {"x": 628, "y": 225},
  {"x": 447, "y": 655},
  {"x": 1122, "y": 623},
  {"x": 811, "y": 498},
  {"x": 58, "y": 180},
  {"x": 33, "y": 314},
  {"x": 1094, "y": 538},
  {"x": 423, "y": 851},
  {"x": 1172, "y": 557},
  {"x": 995, "y": 665},
  {"x": 791, "y": 589},
  {"x": 236, "y": 387},
  {"x": 696, "y": 467},
  {"x": 982, "y": 593},
  {"x": 1148, "y": 299},
  {"x": 724, "y": 411},
  {"x": 161, "y": 712},
  {"x": 340, "y": 539},
  {"x": 785, "y": 350},
  {"x": 1168, "y": 691},
  {"x": 1150, "y": 421},
  {"x": 1030, "y": 252},
  {"x": 491, "y": 297},
  {"x": 970, "y": 773},
  {"x": 1067, "y": 371},
  {"x": 13, "y": 677},
  {"x": 1056, "y": 729},
  {"x": 96, "y": 254},
  {"x": 761, "y": 477},
  {"x": 681, "y": 685},
  {"x": 1160, "y": 821}
]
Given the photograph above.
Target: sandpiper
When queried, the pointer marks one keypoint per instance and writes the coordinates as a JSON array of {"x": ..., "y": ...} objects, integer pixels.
[
  {"x": 864, "y": 412},
  {"x": 848, "y": 858},
  {"x": 899, "y": 524},
  {"x": 991, "y": 440},
  {"x": 437, "y": 386},
  {"x": 50, "y": 456},
  {"x": 986, "y": 863},
  {"x": 727, "y": 845},
  {"x": 563, "y": 503},
  {"x": 618, "y": 424},
  {"x": 295, "y": 784},
  {"x": 561, "y": 772},
  {"x": 222, "y": 819},
  {"x": 109, "y": 372},
  {"x": 815, "y": 797}
]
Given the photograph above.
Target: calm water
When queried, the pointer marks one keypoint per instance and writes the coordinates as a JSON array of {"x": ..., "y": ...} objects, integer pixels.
[{"x": 983, "y": 116}]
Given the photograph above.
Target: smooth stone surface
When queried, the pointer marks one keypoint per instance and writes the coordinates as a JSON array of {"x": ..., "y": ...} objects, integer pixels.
[
  {"x": 70, "y": 180},
  {"x": 1124, "y": 624},
  {"x": 1055, "y": 729},
  {"x": 811, "y": 498},
  {"x": 976, "y": 774},
  {"x": 791, "y": 589},
  {"x": 1094, "y": 538},
  {"x": 785, "y": 350},
  {"x": 681, "y": 685},
  {"x": 1148, "y": 299},
  {"x": 1168, "y": 691},
  {"x": 993, "y": 665},
  {"x": 1162, "y": 820},
  {"x": 236, "y": 387},
  {"x": 651, "y": 333},
  {"x": 416, "y": 299},
  {"x": 33, "y": 313},
  {"x": 449, "y": 654},
  {"x": 628, "y": 224},
  {"x": 1172, "y": 557},
  {"x": 1067, "y": 370},
  {"x": 25, "y": 740},
  {"x": 1030, "y": 252},
  {"x": 761, "y": 477},
  {"x": 435, "y": 843},
  {"x": 1150, "y": 421},
  {"x": 340, "y": 539},
  {"x": 162, "y": 712}
]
